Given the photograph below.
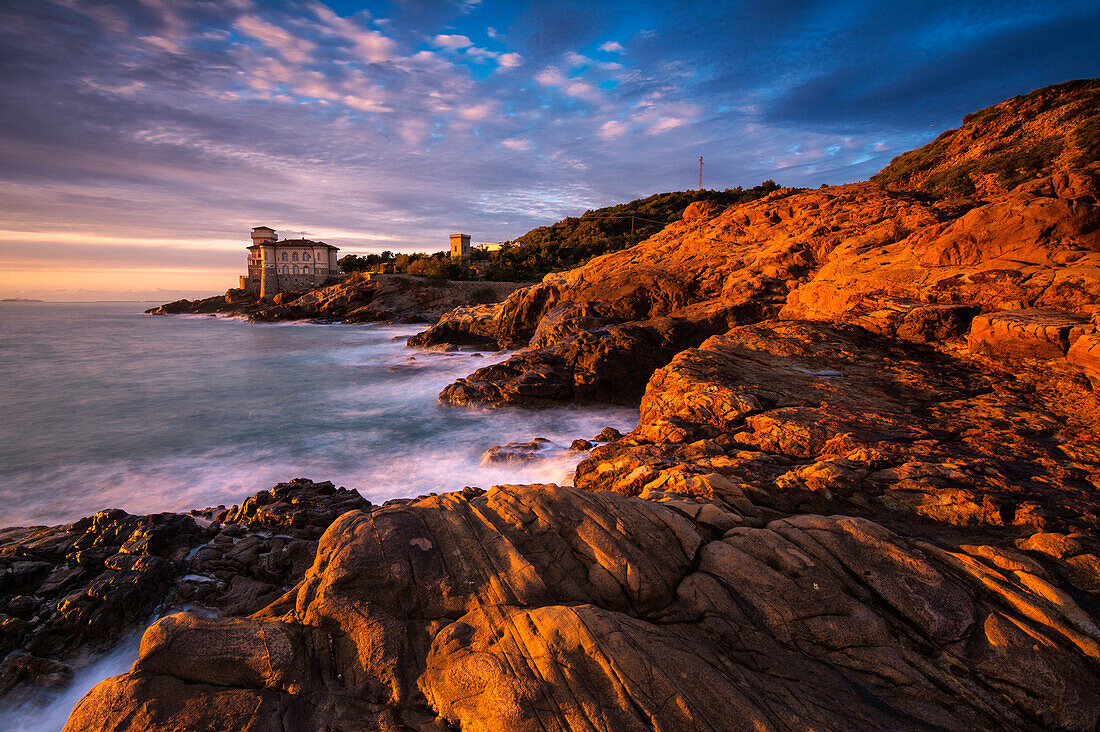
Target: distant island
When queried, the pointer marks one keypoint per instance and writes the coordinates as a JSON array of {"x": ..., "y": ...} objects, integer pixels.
[{"x": 19, "y": 299}]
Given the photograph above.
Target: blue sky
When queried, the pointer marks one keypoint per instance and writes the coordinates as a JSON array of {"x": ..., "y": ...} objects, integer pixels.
[{"x": 141, "y": 139}]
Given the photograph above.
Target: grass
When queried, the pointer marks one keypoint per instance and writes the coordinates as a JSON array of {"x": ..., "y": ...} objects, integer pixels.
[{"x": 1013, "y": 159}]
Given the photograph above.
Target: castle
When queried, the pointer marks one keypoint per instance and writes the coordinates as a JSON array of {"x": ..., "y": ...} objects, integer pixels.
[{"x": 291, "y": 264}]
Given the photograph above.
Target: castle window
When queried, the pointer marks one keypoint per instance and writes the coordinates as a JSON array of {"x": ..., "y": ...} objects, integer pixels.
[
  {"x": 306, "y": 256},
  {"x": 284, "y": 256},
  {"x": 295, "y": 269},
  {"x": 295, "y": 256}
]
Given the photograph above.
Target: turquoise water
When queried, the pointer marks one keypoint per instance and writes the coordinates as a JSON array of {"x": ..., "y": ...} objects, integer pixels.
[{"x": 104, "y": 407}]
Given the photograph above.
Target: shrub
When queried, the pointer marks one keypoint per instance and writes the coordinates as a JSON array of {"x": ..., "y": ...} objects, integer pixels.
[{"x": 483, "y": 295}]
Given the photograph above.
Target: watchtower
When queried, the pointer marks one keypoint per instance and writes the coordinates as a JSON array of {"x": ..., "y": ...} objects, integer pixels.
[
  {"x": 263, "y": 235},
  {"x": 460, "y": 246}
]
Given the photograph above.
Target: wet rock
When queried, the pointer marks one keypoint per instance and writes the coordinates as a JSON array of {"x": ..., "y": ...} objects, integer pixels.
[
  {"x": 581, "y": 445},
  {"x": 519, "y": 453},
  {"x": 601, "y": 365},
  {"x": 68, "y": 591},
  {"x": 608, "y": 434}
]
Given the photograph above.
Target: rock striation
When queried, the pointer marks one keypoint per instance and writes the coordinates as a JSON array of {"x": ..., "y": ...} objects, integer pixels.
[{"x": 551, "y": 608}]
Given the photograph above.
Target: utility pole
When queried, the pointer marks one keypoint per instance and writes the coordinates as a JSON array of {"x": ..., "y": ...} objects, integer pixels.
[{"x": 700, "y": 172}]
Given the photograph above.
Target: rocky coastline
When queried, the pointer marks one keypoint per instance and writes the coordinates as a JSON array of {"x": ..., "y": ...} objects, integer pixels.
[
  {"x": 864, "y": 492},
  {"x": 358, "y": 298}
]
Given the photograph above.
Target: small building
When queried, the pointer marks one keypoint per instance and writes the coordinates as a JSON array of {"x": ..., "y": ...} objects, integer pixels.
[
  {"x": 490, "y": 248},
  {"x": 460, "y": 246},
  {"x": 276, "y": 266}
]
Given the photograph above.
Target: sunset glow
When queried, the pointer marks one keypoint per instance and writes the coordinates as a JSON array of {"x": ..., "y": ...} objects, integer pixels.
[{"x": 142, "y": 140}]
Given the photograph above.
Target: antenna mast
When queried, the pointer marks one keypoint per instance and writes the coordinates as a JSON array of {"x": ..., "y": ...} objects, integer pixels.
[{"x": 700, "y": 172}]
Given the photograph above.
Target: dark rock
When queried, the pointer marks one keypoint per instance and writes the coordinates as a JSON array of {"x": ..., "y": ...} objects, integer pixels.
[{"x": 514, "y": 453}]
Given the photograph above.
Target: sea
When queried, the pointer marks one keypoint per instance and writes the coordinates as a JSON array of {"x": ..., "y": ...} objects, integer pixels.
[{"x": 102, "y": 406}]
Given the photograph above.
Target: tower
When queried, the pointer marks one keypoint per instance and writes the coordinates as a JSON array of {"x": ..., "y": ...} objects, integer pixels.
[
  {"x": 263, "y": 234},
  {"x": 460, "y": 246},
  {"x": 264, "y": 237}
]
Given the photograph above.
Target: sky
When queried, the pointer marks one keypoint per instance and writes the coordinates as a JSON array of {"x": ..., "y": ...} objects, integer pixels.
[{"x": 140, "y": 140}]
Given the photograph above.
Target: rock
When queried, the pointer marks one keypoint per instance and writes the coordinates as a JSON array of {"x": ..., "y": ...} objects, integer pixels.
[
  {"x": 897, "y": 264},
  {"x": 1026, "y": 334},
  {"x": 1053, "y": 544},
  {"x": 518, "y": 453},
  {"x": 282, "y": 298},
  {"x": 804, "y": 416},
  {"x": 608, "y": 434},
  {"x": 69, "y": 591},
  {"x": 581, "y": 445},
  {"x": 1084, "y": 353},
  {"x": 535, "y": 607},
  {"x": 358, "y": 298},
  {"x": 987, "y": 152},
  {"x": 608, "y": 365}
]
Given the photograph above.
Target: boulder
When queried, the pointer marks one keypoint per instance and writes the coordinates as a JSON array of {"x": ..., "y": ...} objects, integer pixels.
[
  {"x": 1017, "y": 334},
  {"x": 1084, "y": 353}
]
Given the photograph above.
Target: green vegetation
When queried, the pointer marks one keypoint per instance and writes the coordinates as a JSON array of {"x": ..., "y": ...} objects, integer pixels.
[
  {"x": 567, "y": 244},
  {"x": 1088, "y": 142},
  {"x": 1011, "y": 167},
  {"x": 915, "y": 162},
  {"x": 1017, "y": 156}
]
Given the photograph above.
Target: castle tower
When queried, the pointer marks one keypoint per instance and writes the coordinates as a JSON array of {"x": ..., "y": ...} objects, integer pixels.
[
  {"x": 264, "y": 237},
  {"x": 261, "y": 234},
  {"x": 460, "y": 246}
]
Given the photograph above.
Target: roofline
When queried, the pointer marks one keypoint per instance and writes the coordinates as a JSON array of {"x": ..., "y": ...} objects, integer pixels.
[
  {"x": 266, "y": 228},
  {"x": 292, "y": 243}
]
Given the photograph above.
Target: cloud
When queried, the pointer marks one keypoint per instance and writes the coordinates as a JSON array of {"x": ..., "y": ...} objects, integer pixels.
[
  {"x": 365, "y": 105},
  {"x": 613, "y": 129},
  {"x": 452, "y": 41},
  {"x": 481, "y": 54},
  {"x": 293, "y": 49},
  {"x": 478, "y": 111},
  {"x": 552, "y": 76},
  {"x": 206, "y": 118},
  {"x": 370, "y": 45}
]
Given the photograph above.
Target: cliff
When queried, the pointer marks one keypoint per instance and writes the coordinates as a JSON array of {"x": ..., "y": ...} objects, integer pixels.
[{"x": 863, "y": 491}]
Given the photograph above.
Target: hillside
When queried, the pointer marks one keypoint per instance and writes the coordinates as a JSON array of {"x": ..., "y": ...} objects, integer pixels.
[
  {"x": 576, "y": 239},
  {"x": 999, "y": 147}
]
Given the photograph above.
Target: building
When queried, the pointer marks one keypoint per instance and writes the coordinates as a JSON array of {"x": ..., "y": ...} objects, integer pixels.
[
  {"x": 276, "y": 266},
  {"x": 490, "y": 248},
  {"x": 460, "y": 246}
]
